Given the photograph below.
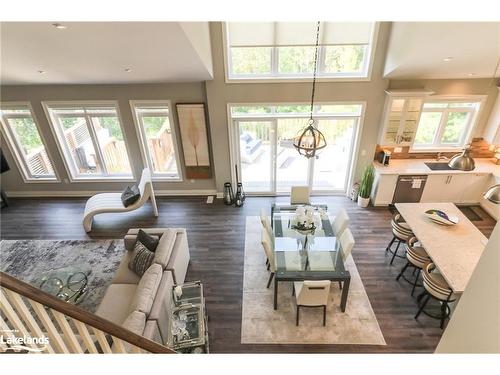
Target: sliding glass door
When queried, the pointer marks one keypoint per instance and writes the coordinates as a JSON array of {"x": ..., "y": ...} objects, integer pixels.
[{"x": 268, "y": 161}]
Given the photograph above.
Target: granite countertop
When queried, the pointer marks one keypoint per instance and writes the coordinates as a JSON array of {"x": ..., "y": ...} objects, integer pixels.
[{"x": 417, "y": 166}]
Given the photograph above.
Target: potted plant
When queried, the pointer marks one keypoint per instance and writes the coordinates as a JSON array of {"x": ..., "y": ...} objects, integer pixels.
[{"x": 365, "y": 187}]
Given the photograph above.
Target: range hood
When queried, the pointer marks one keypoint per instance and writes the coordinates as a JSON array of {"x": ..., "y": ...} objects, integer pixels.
[{"x": 462, "y": 161}]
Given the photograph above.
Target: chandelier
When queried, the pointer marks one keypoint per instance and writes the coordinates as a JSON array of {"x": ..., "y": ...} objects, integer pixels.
[{"x": 310, "y": 140}]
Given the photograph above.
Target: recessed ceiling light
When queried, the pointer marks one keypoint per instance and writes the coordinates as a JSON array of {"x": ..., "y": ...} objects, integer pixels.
[
  {"x": 128, "y": 70},
  {"x": 41, "y": 71},
  {"x": 447, "y": 59},
  {"x": 59, "y": 26}
]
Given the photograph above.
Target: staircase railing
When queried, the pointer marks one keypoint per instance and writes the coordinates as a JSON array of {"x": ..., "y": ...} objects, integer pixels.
[{"x": 34, "y": 321}]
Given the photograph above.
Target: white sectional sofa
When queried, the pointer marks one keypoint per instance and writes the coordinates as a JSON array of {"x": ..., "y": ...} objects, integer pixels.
[{"x": 142, "y": 304}]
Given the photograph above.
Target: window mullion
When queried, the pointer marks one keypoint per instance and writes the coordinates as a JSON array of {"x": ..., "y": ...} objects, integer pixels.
[
  {"x": 440, "y": 131},
  {"x": 97, "y": 146}
]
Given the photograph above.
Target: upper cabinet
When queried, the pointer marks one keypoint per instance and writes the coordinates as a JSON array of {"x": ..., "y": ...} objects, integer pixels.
[
  {"x": 401, "y": 115},
  {"x": 492, "y": 130}
]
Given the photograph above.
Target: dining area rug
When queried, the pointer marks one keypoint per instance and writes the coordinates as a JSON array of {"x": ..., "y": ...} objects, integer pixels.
[{"x": 261, "y": 324}]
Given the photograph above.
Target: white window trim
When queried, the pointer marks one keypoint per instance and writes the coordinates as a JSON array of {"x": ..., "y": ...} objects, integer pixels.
[
  {"x": 234, "y": 146},
  {"x": 62, "y": 147},
  {"x": 322, "y": 77},
  {"x": 470, "y": 127},
  {"x": 146, "y": 157},
  {"x": 13, "y": 147}
]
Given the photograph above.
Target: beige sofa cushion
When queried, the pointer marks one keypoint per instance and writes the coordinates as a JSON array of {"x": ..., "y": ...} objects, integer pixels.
[
  {"x": 162, "y": 305},
  {"x": 146, "y": 289},
  {"x": 124, "y": 275},
  {"x": 115, "y": 305},
  {"x": 135, "y": 322},
  {"x": 151, "y": 332},
  {"x": 165, "y": 246}
]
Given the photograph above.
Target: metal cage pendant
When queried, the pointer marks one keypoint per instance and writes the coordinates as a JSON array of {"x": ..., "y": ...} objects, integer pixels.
[{"x": 309, "y": 141}]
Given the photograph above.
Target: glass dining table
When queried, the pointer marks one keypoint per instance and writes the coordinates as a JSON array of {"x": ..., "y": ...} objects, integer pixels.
[{"x": 312, "y": 256}]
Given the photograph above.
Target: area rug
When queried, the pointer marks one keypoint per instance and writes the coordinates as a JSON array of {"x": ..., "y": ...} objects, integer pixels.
[
  {"x": 261, "y": 324},
  {"x": 32, "y": 260}
]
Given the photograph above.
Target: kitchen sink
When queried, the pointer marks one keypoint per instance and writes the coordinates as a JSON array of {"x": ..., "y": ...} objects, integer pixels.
[{"x": 439, "y": 166}]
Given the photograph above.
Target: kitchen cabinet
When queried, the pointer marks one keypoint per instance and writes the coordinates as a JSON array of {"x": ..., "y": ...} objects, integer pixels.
[
  {"x": 383, "y": 189},
  {"x": 401, "y": 116},
  {"x": 492, "y": 129},
  {"x": 456, "y": 188}
]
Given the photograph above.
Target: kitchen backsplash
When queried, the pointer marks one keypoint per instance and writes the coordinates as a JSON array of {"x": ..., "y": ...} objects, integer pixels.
[{"x": 479, "y": 147}]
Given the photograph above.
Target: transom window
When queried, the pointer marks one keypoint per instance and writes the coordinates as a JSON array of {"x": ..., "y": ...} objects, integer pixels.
[
  {"x": 445, "y": 124},
  {"x": 91, "y": 140},
  {"x": 263, "y": 50},
  {"x": 156, "y": 131},
  {"x": 26, "y": 144}
]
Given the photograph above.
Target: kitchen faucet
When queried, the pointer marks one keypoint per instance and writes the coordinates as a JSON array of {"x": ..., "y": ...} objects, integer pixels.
[{"x": 440, "y": 157}]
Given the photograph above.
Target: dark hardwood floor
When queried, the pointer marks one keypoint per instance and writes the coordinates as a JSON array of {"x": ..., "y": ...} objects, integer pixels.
[{"x": 216, "y": 239}]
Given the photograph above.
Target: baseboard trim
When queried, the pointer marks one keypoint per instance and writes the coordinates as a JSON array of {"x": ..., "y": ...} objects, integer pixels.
[{"x": 83, "y": 193}]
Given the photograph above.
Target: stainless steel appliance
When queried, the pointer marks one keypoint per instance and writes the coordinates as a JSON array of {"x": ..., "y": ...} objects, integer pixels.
[
  {"x": 409, "y": 189},
  {"x": 384, "y": 157}
]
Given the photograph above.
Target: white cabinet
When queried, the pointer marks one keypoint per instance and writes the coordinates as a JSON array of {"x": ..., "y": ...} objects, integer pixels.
[
  {"x": 490, "y": 207},
  {"x": 455, "y": 188},
  {"x": 401, "y": 115},
  {"x": 492, "y": 129},
  {"x": 383, "y": 189}
]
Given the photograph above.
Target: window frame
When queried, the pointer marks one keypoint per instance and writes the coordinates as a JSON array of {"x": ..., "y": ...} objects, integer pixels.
[
  {"x": 145, "y": 152},
  {"x": 276, "y": 77},
  {"x": 63, "y": 147},
  {"x": 15, "y": 147},
  {"x": 472, "y": 121}
]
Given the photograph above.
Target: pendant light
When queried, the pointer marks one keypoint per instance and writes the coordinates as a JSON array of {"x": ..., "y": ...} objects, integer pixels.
[{"x": 310, "y": 140}]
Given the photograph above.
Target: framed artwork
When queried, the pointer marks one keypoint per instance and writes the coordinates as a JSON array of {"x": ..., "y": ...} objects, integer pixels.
[{"x": 194, "y": 140}]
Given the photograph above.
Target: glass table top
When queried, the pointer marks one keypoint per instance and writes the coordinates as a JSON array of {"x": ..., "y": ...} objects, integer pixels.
[{"x": 303, "y": 254}]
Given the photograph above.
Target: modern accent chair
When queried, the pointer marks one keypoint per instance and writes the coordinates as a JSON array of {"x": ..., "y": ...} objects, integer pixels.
[
  {"x": 312, "y": 293},
  {"x": 300, "y": 195},
  {"x": 340, "y": 222},
  {"x": 111, "y": 202}
]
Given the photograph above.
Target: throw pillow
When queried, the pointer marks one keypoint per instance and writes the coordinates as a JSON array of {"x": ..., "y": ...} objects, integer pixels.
[
  {"x": 130, "y": 195},
  {"x": 141, "y": 259},
  {"x": 149, "y": 241}
]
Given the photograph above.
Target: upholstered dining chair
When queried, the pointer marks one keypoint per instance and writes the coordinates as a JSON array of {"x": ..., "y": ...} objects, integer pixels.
[
  {"x": 340, "y": 222},
  {"x": 311, "y": 293},
  {"x": 346, "y": 243},
  {"x": 300, "y": 195},
  {"x": 267, "y": 244},
  {"x": 265, "y": 222}
]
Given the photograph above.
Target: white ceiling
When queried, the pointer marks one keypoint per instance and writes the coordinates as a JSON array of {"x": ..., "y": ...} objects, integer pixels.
[
  {"x": 417, "y": 50},
  {"x": 99, "y": 52}
]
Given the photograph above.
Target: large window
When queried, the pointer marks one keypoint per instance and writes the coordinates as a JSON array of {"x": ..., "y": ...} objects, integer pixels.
[
  {"x": 264, "y": 50},
  {"x": 262, "y": 145},
  {"x": 155, "y": 128},
  {"x": 445, "y": 124},
  {"x": 26, "y": 144},
  {"x": 91, "y": 140}
]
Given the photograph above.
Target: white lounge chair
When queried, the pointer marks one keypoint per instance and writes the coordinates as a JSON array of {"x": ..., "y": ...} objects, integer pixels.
[{"x": 111, "y": 202}]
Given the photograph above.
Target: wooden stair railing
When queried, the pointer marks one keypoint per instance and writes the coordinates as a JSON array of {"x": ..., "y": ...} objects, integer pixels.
[{"x": 26, "y": 311}]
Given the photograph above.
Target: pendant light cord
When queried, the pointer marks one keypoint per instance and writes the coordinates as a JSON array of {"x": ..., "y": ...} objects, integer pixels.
[{"x": 315, "y": 71}]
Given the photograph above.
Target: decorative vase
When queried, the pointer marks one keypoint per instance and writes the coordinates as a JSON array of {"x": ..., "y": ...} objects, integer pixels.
[
  {"x": 363, "y": 202},
  {"x": 228, "y": 194}
]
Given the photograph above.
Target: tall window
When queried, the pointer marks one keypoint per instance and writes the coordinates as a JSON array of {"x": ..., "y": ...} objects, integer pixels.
[
  {"x": 156, "y": 131},
  {"x": 445, "y": 124},
  {"x": 25, "y": 142},
  {"x": 91, "y": 140},
  {"x": 262, "y": 50}
]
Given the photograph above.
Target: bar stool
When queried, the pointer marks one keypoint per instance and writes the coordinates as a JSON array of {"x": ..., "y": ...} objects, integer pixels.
[
  {"x": 416, "y": 258},
  {"x": 435, "y": 287},
  {"x": 401, "y": 232}
]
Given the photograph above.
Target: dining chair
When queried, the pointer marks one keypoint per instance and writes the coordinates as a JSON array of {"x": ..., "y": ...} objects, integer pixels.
[
  {"x": 340, "y": 222},
  {"x": 269, "y": 251},
  {"x": 346, "y": 243},
  {"x": 311, "y": 293},
  {"x": 300, "y": 195},
  {"x": 435, "y": 287},
  {"x": 265, "y": 221},
  {"x": 401, "y": 231},
  {"x": 417, "y": 258}
]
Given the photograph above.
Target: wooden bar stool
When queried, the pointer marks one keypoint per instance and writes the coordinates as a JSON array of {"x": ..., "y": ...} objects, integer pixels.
[
  {"x": 417, "y": 258},
  {"x": 435, "y": 287},
  {"x": 401, "y": 232}
]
